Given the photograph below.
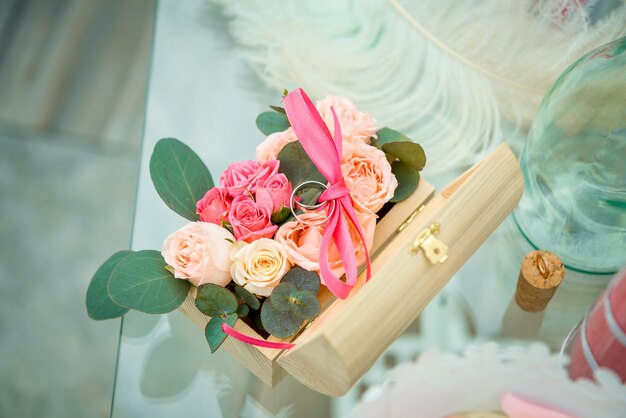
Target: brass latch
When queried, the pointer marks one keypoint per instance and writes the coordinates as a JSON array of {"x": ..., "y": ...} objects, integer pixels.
[{"x": 435, "y": 250}]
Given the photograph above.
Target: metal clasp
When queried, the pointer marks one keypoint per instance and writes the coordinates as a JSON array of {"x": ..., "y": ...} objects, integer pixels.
[{"x": 435, "y": 250}]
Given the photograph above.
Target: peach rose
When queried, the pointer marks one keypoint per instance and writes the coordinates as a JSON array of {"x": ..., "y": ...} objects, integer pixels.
[
  {"x": 368, "y": 176},
  {"x": 269, "y": 149},
  {"x": 200, "y": 253},
  {"x": 302, "y": 242},
  {"x": 259, "y": 266},
  {"x": 252, "y": 219},
  {"x": 355, "y": 126},
  {"x": 242, "y": 176},
  {"x": 214, "y": 206}
]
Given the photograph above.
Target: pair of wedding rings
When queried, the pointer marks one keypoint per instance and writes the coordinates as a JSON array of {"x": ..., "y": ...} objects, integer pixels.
[{"x": 297, "y": 206}]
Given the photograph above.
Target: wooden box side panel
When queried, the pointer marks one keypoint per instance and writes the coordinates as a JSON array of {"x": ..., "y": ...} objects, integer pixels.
[{"x": 351, "y": 334}]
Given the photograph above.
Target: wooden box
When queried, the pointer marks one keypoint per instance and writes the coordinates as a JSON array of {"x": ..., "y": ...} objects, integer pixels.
[{"x": 418, "y": 247}]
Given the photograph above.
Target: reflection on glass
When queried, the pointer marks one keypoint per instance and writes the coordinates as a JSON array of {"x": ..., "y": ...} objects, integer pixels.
[{"x": 574, "y": 165}]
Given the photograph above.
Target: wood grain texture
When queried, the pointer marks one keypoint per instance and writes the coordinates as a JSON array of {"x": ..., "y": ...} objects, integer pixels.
[{"x": 343, "y": 343}]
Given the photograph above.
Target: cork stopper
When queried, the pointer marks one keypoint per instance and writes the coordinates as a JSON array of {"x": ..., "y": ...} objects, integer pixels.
[{"x": 541, "y": 274}]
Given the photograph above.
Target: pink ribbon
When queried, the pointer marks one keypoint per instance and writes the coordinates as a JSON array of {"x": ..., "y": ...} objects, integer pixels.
[
  {"x": 325, "y": 153},
  {"x": 254, "y": 341},
  {"x": 516, "y": 406}
]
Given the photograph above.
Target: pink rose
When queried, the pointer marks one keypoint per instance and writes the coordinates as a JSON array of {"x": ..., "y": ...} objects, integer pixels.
[
  {"x": 251, "y": 219},
  {"x": 302, "y": 242},
  {"x": 355, "y": 126},
  {"x": 368, "y": 176},
  {"x": 214, "y": 206},
  {"x": 200, "y": 253},
  {"x": 270, "y": 148},
  {"x": 278, "y": 188},
  {"x": 242, "y": 176}
]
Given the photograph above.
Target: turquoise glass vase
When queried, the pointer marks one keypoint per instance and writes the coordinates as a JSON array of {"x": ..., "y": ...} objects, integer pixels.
[{"x": 574, "y": 165}]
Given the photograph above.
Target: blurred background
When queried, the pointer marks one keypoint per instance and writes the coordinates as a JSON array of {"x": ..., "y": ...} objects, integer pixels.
[{"x": 73, "y": 77}]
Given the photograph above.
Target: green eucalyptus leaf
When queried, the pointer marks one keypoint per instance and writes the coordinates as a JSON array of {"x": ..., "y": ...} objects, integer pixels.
[
  {"x": 214, "y": 300},
  {"x": 243, "y": 310},
  {"x": 386, "y": 135},
  {"x": 213, "y": 332},
  {"x": 408, "y": 180},
  {"x": 409, "y": 153},
  {"x": 282, "y": 295},
  {"x": 297, "y": 166},
  {"x": 247, "y": 297},
  {"x": 302, "y": 279},
  {"x": 280, "y": 215},
  {"x": 179, "y": 176},
  {"x": 279, "y": 324},
  {"x": 270, "y": 122},
  {"x": 141, "y": 281},
  {"x": 99, "y": 304},
  {"x": 302, "y": 303},
  {"x": 305, "y": 305}
]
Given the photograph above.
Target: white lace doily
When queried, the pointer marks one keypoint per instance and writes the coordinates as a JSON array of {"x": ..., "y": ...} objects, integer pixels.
[{"x": 438, "y": 384}]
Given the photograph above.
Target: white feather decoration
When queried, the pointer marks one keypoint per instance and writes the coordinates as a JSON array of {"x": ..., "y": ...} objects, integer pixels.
[{"x": 444, "y": 72}]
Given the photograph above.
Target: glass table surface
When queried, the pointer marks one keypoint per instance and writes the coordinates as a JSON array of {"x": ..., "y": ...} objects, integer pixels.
[{"x": 202, "y": 92}]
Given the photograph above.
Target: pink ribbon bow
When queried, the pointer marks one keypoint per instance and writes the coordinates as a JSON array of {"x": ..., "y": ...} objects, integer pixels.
[{"x": 325, "y": 153}]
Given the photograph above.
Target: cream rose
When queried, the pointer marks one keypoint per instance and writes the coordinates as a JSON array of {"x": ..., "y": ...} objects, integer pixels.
[
  {"x": 302, "y": 241},
  {"x": 268, "y": 150},
  {"x": 368, "y": 176},
  {"x": 199, "y": 252},
  {"x": 259, "y": 266},
  {"x": 356, "y": 126}
]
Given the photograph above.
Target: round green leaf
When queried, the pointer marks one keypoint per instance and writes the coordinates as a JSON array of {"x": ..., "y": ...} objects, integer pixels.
[
  {"x": 247, "y": 297},
  {"x": 386, "y": 135},
  {"x": 305, "y": 305},
  {"x": 214, "y": 300},
  {"x": 282, "y": 296},
  {"x": 302, "y": 303},
  {"x": 279, "y": 324},
  {"x": 409, "y": 153},
  {"x": 140, "y": 281},
  {"x": 213, "y": 332},
  {"x": 99, "y": 304},
  {"x": 302, "y": 279},
  {"x": 243, "y": 310},
  {"x": 408, "y": 180},
  {"x": 179, "y": 176},
  {"x": 297, "y": 166},
  {"x": 270, "y": 122}
]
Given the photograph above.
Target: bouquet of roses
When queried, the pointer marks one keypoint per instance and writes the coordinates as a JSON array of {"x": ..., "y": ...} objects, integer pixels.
[{"x": 259, "y": 246}]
